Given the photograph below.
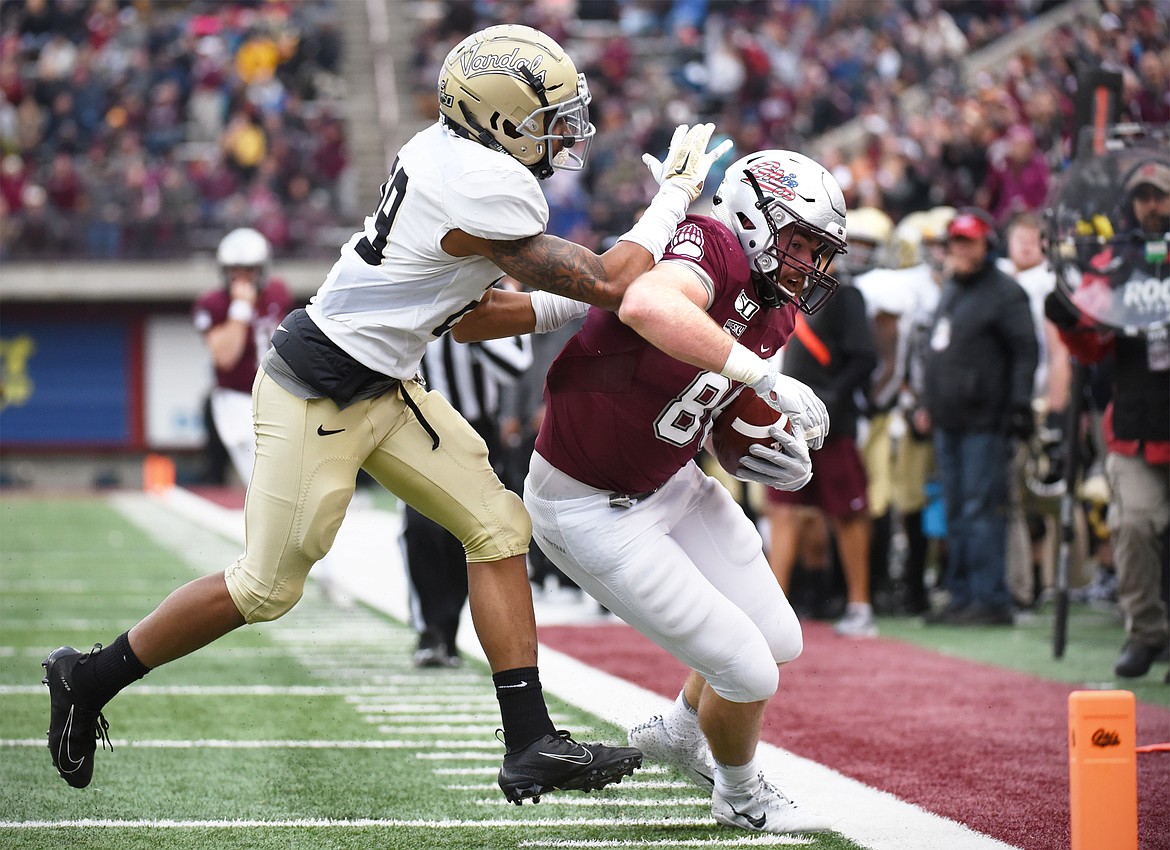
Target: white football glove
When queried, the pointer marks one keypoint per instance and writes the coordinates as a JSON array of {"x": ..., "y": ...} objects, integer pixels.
[
  {"x": 786, "y": 468},
  {"x": 687, "y": 159},
  {"x": 798, "y": 402}
]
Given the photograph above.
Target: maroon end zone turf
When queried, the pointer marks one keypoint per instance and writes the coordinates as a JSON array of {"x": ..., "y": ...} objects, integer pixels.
[{"x": 978, "y": 744}]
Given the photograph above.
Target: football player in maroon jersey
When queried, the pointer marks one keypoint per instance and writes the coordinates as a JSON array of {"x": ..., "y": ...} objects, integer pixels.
[
  {"x": 620, "y": 505},
  {"x": 237, "y": 321}
]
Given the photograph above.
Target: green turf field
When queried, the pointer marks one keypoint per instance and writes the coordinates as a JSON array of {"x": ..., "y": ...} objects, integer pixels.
[{"x": 311, "y": 732}]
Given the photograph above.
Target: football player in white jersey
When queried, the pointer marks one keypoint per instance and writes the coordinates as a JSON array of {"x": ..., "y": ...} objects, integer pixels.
[
  {"x": 339, "y": 393},
  {"x": 621, "y": 507}
]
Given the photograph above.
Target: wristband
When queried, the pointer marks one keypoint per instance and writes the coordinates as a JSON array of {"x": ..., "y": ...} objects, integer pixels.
[
  {"x": 555, "y": 311},
  {"x": 656, "y": 227},
  {"x": 744, "y": 366},
  {"x": 241, "y": 311}
]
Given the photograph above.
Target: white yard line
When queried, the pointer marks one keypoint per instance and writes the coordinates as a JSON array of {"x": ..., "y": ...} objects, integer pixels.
[{"x": 356, "y": 823}]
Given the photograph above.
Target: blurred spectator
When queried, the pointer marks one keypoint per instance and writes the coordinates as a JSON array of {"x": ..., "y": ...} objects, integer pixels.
[
  {"x": 978, "y": 397},
  {"x": 1018, "y": 178},
  {"x": 1031, "y": 525},
  {"x": 832, "y": 352}
]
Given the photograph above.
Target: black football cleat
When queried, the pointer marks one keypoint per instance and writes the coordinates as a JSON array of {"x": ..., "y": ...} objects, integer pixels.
[
  {"x": 73, "y": 729},
  {"x": 558, "y": 763}
]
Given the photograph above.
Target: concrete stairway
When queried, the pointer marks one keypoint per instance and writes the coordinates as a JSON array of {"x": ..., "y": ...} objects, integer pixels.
[{"x": 379, "y": 35}]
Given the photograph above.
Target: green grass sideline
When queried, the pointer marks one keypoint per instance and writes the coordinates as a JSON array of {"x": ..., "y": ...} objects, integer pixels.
[{"x": 73, "y": 570}]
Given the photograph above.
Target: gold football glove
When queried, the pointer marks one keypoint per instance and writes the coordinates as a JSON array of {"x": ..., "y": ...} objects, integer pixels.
[{"x": 687, "y": 160}]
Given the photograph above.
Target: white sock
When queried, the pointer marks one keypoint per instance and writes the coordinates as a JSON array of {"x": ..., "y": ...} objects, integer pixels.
[
  {"x": 682, "y": 720},
  {"x": 736, "y": 780},
  {"x": 860, "y": 607}
]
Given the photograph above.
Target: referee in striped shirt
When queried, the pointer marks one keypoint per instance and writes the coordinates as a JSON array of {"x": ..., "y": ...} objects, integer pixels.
[{"x": 470, "y": 377}]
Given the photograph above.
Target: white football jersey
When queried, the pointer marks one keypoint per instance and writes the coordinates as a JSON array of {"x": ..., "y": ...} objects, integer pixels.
[
  {"x": 394, "y": 289},
  {"x": 1037, "y": 281}
]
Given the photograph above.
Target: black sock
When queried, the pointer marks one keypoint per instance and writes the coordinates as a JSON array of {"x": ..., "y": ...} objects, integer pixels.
[
  {"x": 522, "y": 709},
  {"x": 107, "y": 671}
]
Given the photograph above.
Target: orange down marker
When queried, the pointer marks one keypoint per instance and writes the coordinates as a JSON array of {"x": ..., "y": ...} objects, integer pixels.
[{"x": 1102, "y": 767}]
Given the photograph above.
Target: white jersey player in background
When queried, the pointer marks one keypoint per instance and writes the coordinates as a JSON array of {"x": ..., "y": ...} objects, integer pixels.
[{"x": 339, "y": 393}]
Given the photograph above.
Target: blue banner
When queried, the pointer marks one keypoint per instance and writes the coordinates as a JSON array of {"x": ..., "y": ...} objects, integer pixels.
[{"x": 65, "y": 383}]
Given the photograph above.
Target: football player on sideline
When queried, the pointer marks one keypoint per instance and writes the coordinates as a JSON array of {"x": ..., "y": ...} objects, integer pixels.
[
  {"x": 339, "y": 393},
  {"x": 620, "y": 505},
  {"x": 237, "y": 321}
]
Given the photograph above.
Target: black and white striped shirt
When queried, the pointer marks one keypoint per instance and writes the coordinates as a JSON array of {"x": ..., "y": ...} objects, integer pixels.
[{"x": 470, "y": 375}]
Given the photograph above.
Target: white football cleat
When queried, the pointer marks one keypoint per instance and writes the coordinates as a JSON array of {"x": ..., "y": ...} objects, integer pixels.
[
  {"x": 767, "y": 809},
  {"x": 691, "y": 756},
  {"x": 858, "y": 622}
]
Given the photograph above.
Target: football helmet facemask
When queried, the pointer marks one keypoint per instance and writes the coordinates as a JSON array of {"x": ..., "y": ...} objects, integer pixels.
[
  {"x": 764, "y": 193},
  {"x": 513, "y": 89},
  {"x": 243, "y": 248}
]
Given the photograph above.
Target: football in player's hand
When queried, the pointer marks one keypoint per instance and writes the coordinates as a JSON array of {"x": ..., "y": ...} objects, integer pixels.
[{"x": 745, "y": 421}]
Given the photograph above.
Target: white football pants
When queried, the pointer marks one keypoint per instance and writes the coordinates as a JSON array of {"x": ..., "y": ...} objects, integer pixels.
[{"x": 684, "y": 566}]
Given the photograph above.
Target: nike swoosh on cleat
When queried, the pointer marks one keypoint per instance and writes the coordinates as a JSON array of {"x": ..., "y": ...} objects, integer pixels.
[
  {"x": 65, "y": 761},
  {"x": 757, "y": 823},
  {"x": 586, "y": 757},
  {"x": 321, "y": 432}
]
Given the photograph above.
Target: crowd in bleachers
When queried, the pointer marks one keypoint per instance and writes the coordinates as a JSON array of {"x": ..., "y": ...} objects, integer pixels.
[
  {"x": 781, "y": 73},
  {"x": 132, "y": 129},
  {"x": 143, "y": 129}
]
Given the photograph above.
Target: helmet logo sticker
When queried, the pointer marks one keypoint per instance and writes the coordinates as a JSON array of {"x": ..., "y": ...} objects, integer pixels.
[
  {"x": 773, "y": 178},
  {"x": 474, "y": 64},
  {"x": 687, "y": 242}
]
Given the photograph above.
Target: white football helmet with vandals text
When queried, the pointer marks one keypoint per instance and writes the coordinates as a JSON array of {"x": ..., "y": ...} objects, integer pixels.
[
  {"x": 761, "y": 195},
  {"x": 513, "y": 89}
]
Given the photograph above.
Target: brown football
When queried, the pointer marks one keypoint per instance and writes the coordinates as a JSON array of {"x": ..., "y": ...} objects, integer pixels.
[{"x": 743, "y": 422}]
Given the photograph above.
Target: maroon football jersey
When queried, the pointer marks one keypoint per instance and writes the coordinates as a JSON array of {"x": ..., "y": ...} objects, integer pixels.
[
  {"x": 272, "y": 305},
  {"x": 621, "y": 415}
]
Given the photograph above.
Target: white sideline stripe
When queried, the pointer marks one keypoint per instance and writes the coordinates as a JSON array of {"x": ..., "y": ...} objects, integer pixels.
[
  {"x": 220, "y": 744},
  {"x": 874, "y": 819},
  {"x": 585, "y": 802},
  {"x": 745, "y": 841},
  {"x": 359, "y": 823}
]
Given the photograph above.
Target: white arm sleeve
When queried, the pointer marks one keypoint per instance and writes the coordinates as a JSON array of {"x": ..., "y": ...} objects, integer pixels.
[{"x": 555, "y": 311}]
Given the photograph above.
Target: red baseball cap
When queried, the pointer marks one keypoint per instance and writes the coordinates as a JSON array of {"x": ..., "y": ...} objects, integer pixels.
[{"x": 969, "y": 226}]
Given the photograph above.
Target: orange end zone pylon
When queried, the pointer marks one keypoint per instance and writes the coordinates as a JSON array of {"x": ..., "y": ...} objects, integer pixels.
[
  {"x": 158, "y": 473},
  {"x": 1102, "y": 766}
]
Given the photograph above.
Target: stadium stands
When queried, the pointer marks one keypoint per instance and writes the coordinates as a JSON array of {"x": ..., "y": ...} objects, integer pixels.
[
  {"x": 133, "y": 130},
  {"x": 147, "y": 130}
]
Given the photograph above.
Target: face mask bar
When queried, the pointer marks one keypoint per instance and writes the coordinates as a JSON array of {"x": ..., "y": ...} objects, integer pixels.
[
  {"x": 574, "y": 114},
  {"x": 819, "y": 285}
]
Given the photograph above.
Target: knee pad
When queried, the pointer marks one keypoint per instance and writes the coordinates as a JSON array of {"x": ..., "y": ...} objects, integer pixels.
[
  {"x": 259, "y": 601},
  {"x": 751, "y": 677},
  {"x": 505, "y": 530}
]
